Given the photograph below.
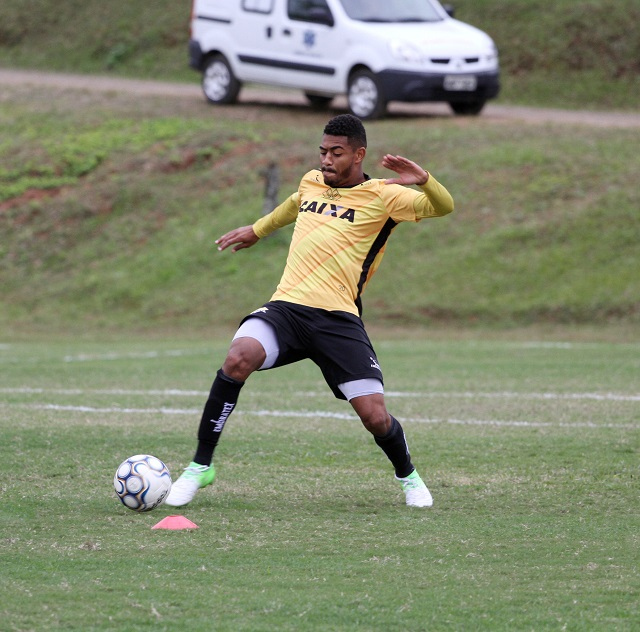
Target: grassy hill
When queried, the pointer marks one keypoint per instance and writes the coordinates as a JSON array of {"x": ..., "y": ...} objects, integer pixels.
[{"x": 110, "y": 204}]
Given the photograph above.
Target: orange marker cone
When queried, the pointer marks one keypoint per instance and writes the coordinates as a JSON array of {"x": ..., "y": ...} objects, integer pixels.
[{"x": 175, "y": 523}]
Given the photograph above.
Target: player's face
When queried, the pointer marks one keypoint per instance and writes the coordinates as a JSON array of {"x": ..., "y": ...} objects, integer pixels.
[{"x": 341, "y": 165}]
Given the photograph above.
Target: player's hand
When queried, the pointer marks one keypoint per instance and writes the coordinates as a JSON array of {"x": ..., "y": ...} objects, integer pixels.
[
  {"x": 242, "y": 237},
  {"x": 408, "y": 171}
]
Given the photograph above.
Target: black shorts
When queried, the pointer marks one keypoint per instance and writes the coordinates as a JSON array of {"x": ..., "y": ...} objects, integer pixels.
[{"x": 336, "y": 341}]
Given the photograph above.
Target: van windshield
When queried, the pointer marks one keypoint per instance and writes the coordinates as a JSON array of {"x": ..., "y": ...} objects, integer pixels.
[{"x": 397, "y": 11}]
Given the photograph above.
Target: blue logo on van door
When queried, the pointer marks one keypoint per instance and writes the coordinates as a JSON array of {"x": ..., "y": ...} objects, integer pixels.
[{"x": 309, "y": 39}]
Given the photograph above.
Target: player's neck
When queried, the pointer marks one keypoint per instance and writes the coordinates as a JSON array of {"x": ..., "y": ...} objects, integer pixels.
[{"x": 354, "y": 181}]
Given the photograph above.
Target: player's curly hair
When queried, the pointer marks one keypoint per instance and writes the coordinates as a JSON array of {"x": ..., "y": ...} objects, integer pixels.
[{"x": 350, "y": 126}]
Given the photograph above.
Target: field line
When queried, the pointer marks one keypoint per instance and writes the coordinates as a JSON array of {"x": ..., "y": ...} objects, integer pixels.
[
  {"x": 618, "y": 397},
  {"x": 316, "y": 414},
  {"x": 132, "y": 355},
  {"x": 28, "y": 390}
]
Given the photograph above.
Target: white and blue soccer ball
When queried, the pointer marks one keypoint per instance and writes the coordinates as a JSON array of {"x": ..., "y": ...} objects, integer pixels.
[{"x": 142, "y": 482}]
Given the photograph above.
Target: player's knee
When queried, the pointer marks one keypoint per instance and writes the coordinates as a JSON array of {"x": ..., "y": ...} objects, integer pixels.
[
  {"x": 376, "y": 421},
  {"x": 237, "y": 366},
  {"x": 243, "y": 359},
  {"x": 373, "y": 413}
]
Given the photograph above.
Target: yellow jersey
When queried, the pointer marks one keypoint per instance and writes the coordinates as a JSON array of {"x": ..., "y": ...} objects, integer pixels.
[{"x": 340, "y": 236}]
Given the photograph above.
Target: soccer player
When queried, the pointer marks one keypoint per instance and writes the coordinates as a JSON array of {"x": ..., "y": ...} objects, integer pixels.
[{"x": 343, "y": 219}]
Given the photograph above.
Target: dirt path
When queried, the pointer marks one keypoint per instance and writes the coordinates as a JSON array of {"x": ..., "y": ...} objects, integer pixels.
[{"x": 256, "y": 95}]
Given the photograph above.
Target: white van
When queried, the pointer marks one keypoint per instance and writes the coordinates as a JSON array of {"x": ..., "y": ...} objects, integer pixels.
[{"x": 374, "y": 51}]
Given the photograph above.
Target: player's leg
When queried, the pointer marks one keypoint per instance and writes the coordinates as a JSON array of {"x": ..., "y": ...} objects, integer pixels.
[
  {"x": 386, "y": 430},
  {"x": 245, "y": 356},
  {"x": 253, "y": 347},
  {"x": 345, "y": 355},
  {"x": 367, "y": 399}
]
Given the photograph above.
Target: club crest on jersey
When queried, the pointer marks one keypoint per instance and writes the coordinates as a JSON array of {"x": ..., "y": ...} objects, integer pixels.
[
  {"x": 324, "y": 208},
  {"x": 331, "y": 194}
]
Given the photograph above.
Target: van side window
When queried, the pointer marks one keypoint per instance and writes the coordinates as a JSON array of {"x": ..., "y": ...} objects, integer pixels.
[
  {"x": 316, "y": 11},
  {"x": 258, "y": 6}
]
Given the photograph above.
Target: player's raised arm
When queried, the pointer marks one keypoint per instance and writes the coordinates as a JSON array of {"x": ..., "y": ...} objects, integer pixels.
[
  {"x": 242, "y": 237},
  {"x": 435, "y": 200}
]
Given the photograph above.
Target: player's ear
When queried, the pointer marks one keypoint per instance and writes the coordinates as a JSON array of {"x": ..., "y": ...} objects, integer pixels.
[{"x": 360, "y": 153}]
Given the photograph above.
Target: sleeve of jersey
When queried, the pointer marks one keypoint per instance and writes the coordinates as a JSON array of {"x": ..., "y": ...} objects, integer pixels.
[
  {"x": 435, "y": 201},
  {"x": 282, "y": 215},
  {"x": 406, "y": 204}
]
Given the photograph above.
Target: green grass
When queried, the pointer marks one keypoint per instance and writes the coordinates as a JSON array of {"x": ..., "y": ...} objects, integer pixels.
[
  {"x": 528, "y": 442},
  {"x": 528, "y": 438}
]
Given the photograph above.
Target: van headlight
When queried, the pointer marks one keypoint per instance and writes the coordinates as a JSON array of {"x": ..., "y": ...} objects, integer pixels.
[{"x": 406, "y": 52}]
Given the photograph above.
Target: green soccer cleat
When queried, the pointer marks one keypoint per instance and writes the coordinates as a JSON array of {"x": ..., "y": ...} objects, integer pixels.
[
  {"x": 192, "y": 479},
  {"x": 416, "y": 492}
]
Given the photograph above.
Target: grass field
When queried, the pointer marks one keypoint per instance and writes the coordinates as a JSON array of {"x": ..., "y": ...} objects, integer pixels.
[
  {"x": 529, "y": 444},
  {"x": 525, "y": 425}
]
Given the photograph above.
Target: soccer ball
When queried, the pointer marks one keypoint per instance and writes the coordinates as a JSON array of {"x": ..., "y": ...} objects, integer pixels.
[{"x": 142, "y": 482}]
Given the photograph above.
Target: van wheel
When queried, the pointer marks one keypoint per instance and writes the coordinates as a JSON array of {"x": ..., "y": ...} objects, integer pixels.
[
  {"x": 364, "y": 95},
  {"x": 318, "y": 101},
  {"x": 218, "y": 81},
  {"x": 470, "y": 108}
]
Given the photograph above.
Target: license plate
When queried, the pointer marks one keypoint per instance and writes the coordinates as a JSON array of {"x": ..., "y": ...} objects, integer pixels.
[{"x": 460, "y": 83}]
